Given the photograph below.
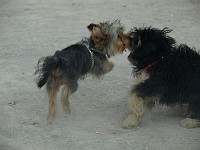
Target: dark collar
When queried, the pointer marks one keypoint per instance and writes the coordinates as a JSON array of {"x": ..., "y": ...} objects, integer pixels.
[
  {"x": 89, "y": 43},
  {"x": 92, "y": 45},
  {"x": 86, "y": 43}
]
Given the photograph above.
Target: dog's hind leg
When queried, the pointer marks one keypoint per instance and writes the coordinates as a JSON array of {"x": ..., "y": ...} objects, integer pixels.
[
  {"x": 65, "y": 98},
  {"x": 52, "y": 88},
  {"x": 136, "y": 105},
  {"x": 194, "y": 120},
  {"x": 190, "y": 123}
]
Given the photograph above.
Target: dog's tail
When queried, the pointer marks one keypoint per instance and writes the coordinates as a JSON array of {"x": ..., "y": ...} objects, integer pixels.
[{"x": 45, "y": 67}]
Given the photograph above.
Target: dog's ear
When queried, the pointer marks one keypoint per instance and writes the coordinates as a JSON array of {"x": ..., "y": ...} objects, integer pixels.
[
  {"x": 97, "y": 35},
  {"x": 90, "y": 26},
  {"x": 135, "y": 40}
]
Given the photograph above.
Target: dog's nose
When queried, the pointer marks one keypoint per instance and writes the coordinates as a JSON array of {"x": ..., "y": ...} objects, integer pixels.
[{"x": 129, "y": 57}]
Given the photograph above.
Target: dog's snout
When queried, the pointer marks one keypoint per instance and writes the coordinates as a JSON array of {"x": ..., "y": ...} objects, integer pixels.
[{"x": 130, "y": 57}]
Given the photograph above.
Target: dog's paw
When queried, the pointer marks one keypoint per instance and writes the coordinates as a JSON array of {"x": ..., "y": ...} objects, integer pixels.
[
  {"x": 190, "y": 123},
  {"x": 108, "y": 66},
  {"x": 67, "y": 109},
  {"x": 51, "y": 114},
  {"x": 130, "y": 121},
  {"x": 111, "y": 65},
  {"x": 50, "y": 119}
]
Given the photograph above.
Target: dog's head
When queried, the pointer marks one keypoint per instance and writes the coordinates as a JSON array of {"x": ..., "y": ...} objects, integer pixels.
[
  {"x": 148, "y": 45},
  {"x": 107, "y": 37}
]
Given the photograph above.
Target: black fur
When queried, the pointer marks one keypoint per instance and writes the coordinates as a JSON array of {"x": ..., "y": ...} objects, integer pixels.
[
  {"x": 70, "y": 64},
  {"x": 175, "y": 75}
]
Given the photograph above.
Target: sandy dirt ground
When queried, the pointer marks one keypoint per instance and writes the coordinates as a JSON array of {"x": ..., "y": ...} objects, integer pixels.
[{"x": 30, "y": 29}]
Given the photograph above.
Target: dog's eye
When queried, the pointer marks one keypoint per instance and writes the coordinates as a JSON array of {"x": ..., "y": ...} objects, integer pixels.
[
  {"x": 137, "y": 42},
  {"x": 97, "y": 38}
]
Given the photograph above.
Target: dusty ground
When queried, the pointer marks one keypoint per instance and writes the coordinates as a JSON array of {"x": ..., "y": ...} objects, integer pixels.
[{"x": 30, "y": 29}]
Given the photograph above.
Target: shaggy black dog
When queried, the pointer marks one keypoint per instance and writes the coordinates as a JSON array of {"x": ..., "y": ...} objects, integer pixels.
[
  {"x": 168, "y": 74},
  {"x": 90, "y": 56}
]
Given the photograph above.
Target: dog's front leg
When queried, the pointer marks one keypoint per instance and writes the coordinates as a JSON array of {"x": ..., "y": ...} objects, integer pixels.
[
  {"x": 136, "y": 105},
  {"x": 65, "y": 98},
  {"x": 108, "y": 66},
  {"x": 190, "y": 123}
]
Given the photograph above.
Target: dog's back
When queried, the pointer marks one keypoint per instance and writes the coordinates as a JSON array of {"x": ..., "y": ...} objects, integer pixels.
[{"x": 71, "y": 60}]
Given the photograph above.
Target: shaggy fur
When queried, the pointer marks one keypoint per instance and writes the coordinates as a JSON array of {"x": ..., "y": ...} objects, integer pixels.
[
  {"x": 172, "y": 75},
  {"x": 90, "y": 56}
]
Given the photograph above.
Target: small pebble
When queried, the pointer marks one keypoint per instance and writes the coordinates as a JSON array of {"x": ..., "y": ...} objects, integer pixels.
[{"x": 12, "y": 103}]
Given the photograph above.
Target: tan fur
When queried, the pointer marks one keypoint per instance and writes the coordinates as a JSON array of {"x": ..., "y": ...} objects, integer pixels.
[
  {"x": 65, "y": 98},
  {"x": 119, "y": 45},
  {"x": 137, "y": 105},
  {"x": 125, "y": 39},
  {"x": 99, "y": 34},
  {"x": 108, "y": 66},
  {"x": 55, "y": 84},
  {"x": 137, "y": 109},
  {"x": 52, "y": 97},
  {"x": 190, "y": 123},
  {"x": 106, "y": 37}
]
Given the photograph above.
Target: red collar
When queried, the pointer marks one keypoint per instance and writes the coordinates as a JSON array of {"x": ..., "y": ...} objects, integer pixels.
[{"x": 147, "y": 67}]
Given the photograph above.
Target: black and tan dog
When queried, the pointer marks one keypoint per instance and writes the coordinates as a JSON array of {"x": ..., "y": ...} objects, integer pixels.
[
  {"x": 89, "y": 56},
  {"x": 167, "y": 73}
]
